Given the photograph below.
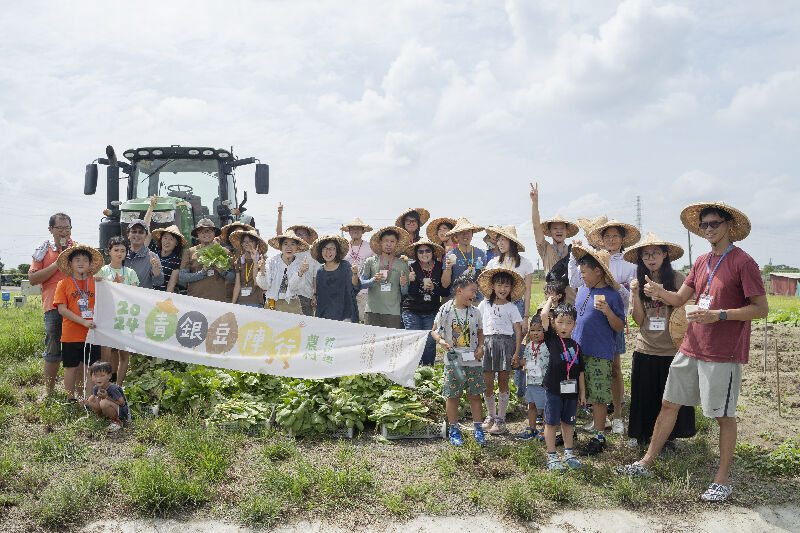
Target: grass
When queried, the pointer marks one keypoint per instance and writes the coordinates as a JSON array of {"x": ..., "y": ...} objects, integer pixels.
[
  {"x": 71, "y": 500},
  {"x": 60, "y": 448},
  {"x": 154, "y": 487},
  {"x": 203, "y": 452},
  {"x": 22, "y": 331}
]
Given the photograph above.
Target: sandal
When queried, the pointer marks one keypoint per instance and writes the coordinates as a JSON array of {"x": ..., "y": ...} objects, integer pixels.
[{"x": 716, "y": 493}]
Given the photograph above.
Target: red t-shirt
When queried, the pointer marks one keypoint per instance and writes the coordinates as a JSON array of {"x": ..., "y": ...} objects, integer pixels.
[{"x": 737, "y": 279}]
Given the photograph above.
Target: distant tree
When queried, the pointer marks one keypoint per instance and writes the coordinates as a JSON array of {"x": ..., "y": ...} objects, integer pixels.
[
  {"x": 767, "y": 269},
  {"x": 2, "y": 266},
  {"x": 22, "y": 268}
]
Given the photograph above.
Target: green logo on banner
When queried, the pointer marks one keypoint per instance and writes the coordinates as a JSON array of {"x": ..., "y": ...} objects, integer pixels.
[{"x": 162, "y": 322}]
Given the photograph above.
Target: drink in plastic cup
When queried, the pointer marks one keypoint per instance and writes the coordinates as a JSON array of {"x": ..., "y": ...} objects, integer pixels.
[
  {"x": 385, "y": 273},
  {"x": 599, "y": 298},
  {"x": 427, "y": 283},
  {"x": 691, "y": 308}
]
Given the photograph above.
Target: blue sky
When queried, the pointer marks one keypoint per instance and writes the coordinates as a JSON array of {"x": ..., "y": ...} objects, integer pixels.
[{"x": 367, "y": 108}]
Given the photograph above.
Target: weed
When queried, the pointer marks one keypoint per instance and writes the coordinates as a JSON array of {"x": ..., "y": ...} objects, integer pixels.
[
  {"x": 280, "y": 449},
  {"x": 10, "y": 464},
  {"x": 518, "y": 501},
  {"x": 702, "y": 422},
  {"x": 26, "y": 373},
  {"x": 59, "y": 447},
  {"x": 7, "y": 395},
  {"x": 453, "y": 461},
  {"x": 157, "y": 431},
  {"x": 7, "y": 413},
  {"x": 21, "y": 332},
  {"x": 554, "y": 487},
  {"x": 629, "y": 492},
  {"x": 155, "y": 488},
  {"x": 202, "y": 451},
  {"x": 530, "y": 457},
  {"x": 346, "y": 480},
  {"x": 261, "y": 509},
  {"x": 395, "y": 503},
  {"x": 53, "y": 414},
  {"x": 783, "y": 461},
  {"x": 70, "y": 500}
]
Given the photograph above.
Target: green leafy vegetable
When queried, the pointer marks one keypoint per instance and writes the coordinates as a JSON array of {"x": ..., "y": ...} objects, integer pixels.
[{"x": 214, "y": 256}]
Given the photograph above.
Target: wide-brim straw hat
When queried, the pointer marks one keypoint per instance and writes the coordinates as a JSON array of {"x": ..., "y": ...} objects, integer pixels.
[
  {"x": 462, "y": 224},
  {"x": 588, "y": 225},
  {"x": 236, "y": 240},
  {"x": 63, "y": 260},
  {"x": 509, "y": 232},
  {"x": 632, "y": 234},
  {"x": 402, "y": 243},
  {"x": 275, "y": 241},
  {"x": 517, "y": 288},
  {"x": 572, "y": 228},
  {"x": 678, "y": 324},
  {"x": 357, "y": 222},
  {"x": 233, "y": 226},
  {"x": 316, "y": 248},
  {"x": 206, "y": 223},
  {"x": 172, "y": 230},
  {"x": 690, "y": 216},
  {"x": 311, "y": 231},
  {"x": 424, "y": 215},
  {"x": 602, "y": 257},
  {"x": 411, "y": 250},
  {"x": 631, "y": 255},
  {"x": 433, "y": 228}
]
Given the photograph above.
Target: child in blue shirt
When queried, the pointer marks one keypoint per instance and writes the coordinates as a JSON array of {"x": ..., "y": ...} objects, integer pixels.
[{"x": 107, "y": 399}]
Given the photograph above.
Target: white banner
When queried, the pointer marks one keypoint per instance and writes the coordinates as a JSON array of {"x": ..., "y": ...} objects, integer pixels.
[{"x": 237, "y": 337}]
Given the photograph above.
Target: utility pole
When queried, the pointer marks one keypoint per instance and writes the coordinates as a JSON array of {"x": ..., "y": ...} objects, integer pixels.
[
  {"x": 639, "y": 212},
  {"x": 689, "y": 234}
]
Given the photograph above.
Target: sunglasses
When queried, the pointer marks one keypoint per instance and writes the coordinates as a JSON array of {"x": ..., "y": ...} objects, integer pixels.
[{"x": 713, "y": 225}]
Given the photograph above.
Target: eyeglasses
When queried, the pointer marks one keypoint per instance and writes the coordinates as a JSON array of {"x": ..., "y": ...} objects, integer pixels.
[
  {"x": 653, "y": 255},
  {"x": 62, "y": 228},
  {"x": 714, "y": 224},
  {"x": 424, "y": 251}
]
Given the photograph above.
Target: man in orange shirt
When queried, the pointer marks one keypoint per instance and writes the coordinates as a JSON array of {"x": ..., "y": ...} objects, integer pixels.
[{"x": 45, "y": 272}]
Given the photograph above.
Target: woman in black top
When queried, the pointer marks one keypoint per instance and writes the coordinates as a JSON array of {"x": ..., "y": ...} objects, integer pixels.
[
  {"x": 169, "y": 244},
  {"x": 425, "y": 291},
  {"x": 334, "y": 287}
]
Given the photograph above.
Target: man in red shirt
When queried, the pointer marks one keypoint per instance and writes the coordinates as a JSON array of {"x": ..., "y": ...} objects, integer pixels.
[
  {"x": 728, "y": 294},
  {"x": 45, "y": 272}
]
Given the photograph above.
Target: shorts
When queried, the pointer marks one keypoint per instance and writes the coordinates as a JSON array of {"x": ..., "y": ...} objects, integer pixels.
[
  {"x": 72, "y": 354},
  {"x": 620, "y": 342},
  {"x": 124, "y": 413},
  {"x": 558, "y": 409},
  {"x": 473, "y": 386},
  {"x": 361, "y": 304},
  {"x": 383, "y": 320},
  {"x": 714, "y": 385},
  {"x": 498, "y": 350},
  {"x": 52, "y": 336},
  {"x": 536, "y": 394},
  {"x": 598, "y": 379}
]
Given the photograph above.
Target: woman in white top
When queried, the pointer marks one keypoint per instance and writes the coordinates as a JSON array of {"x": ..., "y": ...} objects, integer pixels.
[{"x": 280, "y": 276}]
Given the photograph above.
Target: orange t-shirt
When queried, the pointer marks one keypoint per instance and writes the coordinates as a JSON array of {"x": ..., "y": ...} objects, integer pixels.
[
  {"x": 68, "y": 294},
  {"x": 49, "y": 285}
]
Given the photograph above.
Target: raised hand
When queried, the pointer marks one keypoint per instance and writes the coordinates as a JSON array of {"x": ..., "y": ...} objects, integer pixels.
[
  {"x": 354, "y": 269},
  {"x": 304, "y": 266},
  {"x": 411, "y": 275},
  {"x": 280, "y": 208},
  {"x": 403, "y": 279},
  {"x": 651, "y": 288},
  {"x": 153, "y": 200},
  {"x": 535, "y": 192},
  {"x": 634, "y": 284}
]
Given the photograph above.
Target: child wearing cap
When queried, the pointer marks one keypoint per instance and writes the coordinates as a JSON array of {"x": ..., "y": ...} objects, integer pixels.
[
  {"x": 385, "y": 278},
  {"x": 74, "y": 299},
  {"x": 464, "y": 257}
]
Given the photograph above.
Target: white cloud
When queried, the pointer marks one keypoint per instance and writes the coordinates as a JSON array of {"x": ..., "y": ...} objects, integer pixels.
[
  {"x": 696, "y": 185},
  {"x": 399, "y": 150},
  {"x": 775, "y": 99},
  {"x": 670, "y": 108}
]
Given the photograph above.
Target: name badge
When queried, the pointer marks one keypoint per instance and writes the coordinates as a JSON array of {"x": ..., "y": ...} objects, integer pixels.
[
  {"x": 246, "y": 291},
  {"x": 705, "y": 301},
  {"x": 658, "y": 324},
  {"x": 569, "y": 386},
  {"x": 386, "y": 287},
  {"x": 87, "y": 314},
  {"x": 82, "y": 303},
  {"x": 209, "y": 273},
  {"x": 467, "y": 355},
  {"x": 426, "y": 297}
]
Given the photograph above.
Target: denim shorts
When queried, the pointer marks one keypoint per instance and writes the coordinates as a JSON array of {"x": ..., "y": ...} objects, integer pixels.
[
  {"x": 52, "y": 336},
  {"x": 620, "y": 343},
  {"x": 536, "y": 394}
]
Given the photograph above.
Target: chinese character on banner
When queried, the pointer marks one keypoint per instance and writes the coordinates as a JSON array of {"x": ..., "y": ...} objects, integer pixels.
[
  {"x": 255, "y": 338},
  {"x": 160, "y": 324},
  {"x": 368, "y": 350},
  {"x": 286, "y": 345},
  {"x": 192, "y": 329},
  {"x": 223, "y": 333},
  {"x": 311, "y": 347},
  {"x": 330, "y": 344}
]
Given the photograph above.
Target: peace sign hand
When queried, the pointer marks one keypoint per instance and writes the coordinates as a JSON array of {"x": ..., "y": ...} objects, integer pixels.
[{"x": 535, "y": 192}]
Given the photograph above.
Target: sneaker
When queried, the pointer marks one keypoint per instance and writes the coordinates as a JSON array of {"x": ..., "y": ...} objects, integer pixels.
[
  {"x": 489, "y": 422},
  {"x": 455, "y": 437},
  {"x": 115, "y": 425},
  {"x": 556, "y": 465},
  {"x": 634, "y": 470},
  {"x": 617, "y": 426},
  {"x": 594, "y": 447},
  {"x": 572, "y": 462},
  {"x": 632, "y": 443},
  {"x": 479, "y": 437},
  {"x": 559, "y": 440},
  {"x": 589, "y": 427},
  {"x": 528, "y": 434},
  {"x": 539, "y": 421},
  {"x": 717, "y": 493},
  {"x": 499, "y": 427}
]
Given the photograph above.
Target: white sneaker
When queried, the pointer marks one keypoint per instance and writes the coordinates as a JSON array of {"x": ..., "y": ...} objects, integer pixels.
[
  {"x": 589, "y": 427},
  {"x": 617, "y": 426},
  {"x": 115, "y": 426}
]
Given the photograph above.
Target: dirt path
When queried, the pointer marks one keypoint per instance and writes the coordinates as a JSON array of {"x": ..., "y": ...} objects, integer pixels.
[{"x": 727, "y": 519}]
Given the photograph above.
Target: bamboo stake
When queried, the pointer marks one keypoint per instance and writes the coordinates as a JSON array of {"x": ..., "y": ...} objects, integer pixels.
[
  {"x": 765, "y": 345},
  {"x": 778, "y": 376}
]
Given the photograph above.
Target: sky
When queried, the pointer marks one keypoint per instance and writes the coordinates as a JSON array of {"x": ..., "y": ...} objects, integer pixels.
[{"x": 366, "y": 108}]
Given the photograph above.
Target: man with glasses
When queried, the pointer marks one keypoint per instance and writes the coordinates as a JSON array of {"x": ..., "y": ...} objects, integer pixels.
[
  {"x": 44, "y": 271},
  {"x": 140, "y": 258},
  {"x": 728, "y": 294}
]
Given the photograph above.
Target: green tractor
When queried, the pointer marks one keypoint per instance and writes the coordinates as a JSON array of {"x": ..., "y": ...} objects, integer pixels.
[{"x": 190, "y": 182}]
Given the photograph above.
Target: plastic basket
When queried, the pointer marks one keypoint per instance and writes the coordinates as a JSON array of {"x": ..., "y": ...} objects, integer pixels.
[
  {"x": 341, "y": 433},
  {"x": 430, "y": 431}
]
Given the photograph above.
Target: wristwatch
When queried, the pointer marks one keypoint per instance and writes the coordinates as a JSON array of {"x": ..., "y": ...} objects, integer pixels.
[{"x": 723, "y": 315}]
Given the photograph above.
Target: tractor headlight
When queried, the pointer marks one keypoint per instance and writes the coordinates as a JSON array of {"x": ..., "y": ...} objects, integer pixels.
[
  {"x": 128, "y": 216},
  {"x": 162, "y": 217}
]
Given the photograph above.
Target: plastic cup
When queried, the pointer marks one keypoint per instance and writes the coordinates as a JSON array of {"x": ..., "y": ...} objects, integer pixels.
[
  {"x": 385, "y": 273},
  {"x": 691, "y": 308},
  {"x": 427, "y": 283},
  {"x": 599, "y": 298}
]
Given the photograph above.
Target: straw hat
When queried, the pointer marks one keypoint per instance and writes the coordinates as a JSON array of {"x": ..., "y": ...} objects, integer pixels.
[
  {"x": 424, "y": 215},
  {"x": 356, "y": 222},
  {"x": 206, "y": 223},
  {"x": 236, "y": 240},
  {"x": 485, "y": 283},
  {"x": 63, "y": 260},
  {"x": 631, "y": 255},
  {"x": 632, "y": 234},
  {"x": 509, "y": 232},
  {"x": 690, "y": 216},
  {"x": 275, "y": 242},
  {"x": 233, "y": 226},
  {"x": 678, "y": 326},
  {"x": 464, "y": 225},
  {"x": 602, "y": 257},
  {"x": 433, "y": 228},
  {"x": 312, "y": 233},
  {"x": 411, "y": 250},
  {"x": 375, "y": 240},
  {"x": 172, "y": 230},
  {"x": 572, "y": 228},
  {"x": 316, "y": 248},
  {"x": 589, "y": 224}
]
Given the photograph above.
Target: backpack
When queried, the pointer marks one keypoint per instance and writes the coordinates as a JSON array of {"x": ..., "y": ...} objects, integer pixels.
[{"x": 560, "y": 271}]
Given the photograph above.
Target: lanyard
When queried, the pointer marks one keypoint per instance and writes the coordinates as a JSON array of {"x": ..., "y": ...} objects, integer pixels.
[
  {"x": 248, "y": 272},
  {"x": 564, "y": 356},
  {"x": 390, "y": 264},
  {"x": 536, "y": 351},
  {"x": 458, "y": 320},
  {"x": 358, "y": 254},
  {"x": 711, "y": 273},
  {"x": 563, "y": 248},
  {"x": 425, "y": 273},
  {"x": 83, "y": 296},
  {"x": 507, "y": 265},
  {"x": 471, "y": 255},
  {"x": 583, "y": 305}
]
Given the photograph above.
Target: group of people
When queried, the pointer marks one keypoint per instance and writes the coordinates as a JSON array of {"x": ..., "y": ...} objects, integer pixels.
[{"x": 477, "y": 306}]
